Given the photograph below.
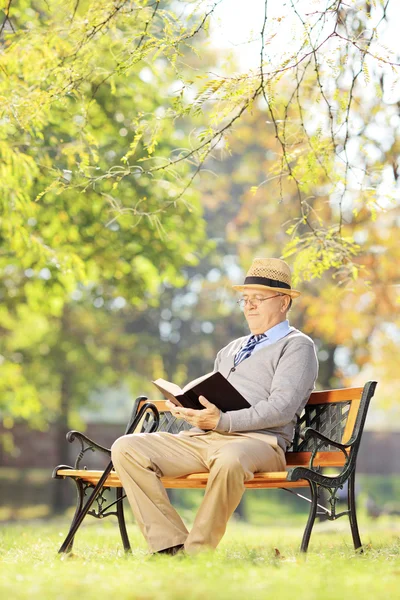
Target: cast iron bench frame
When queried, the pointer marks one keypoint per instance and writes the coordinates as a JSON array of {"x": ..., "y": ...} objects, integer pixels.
[{"x": 332, "y": 419}]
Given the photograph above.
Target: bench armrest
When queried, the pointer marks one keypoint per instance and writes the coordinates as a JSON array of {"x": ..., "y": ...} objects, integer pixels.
[
  {"x": 89, "y": 444},
  {"x": 72, "y": 435},
  {"x": 86, "y": 445},
  {"x": 313, "y": 472},
  {"x": 321, "y": 440},
  {"x": 310, "y": 433}
]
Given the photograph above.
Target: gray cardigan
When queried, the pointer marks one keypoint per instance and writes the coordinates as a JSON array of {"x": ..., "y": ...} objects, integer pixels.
[{"x": 277, "y": 381}]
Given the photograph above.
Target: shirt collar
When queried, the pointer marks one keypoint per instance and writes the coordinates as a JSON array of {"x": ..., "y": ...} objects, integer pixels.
[{"x": 278, "y": 331}]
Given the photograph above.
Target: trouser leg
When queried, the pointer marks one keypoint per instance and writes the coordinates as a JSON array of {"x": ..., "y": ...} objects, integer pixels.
[
  {"x": 231, "y": 464},
  {"x": 140, "y": 460}
]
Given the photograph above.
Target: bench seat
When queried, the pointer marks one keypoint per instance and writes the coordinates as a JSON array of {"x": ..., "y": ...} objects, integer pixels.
[
  {"x": 199, "y": 480},
  {"x": 194, "y": 480}
]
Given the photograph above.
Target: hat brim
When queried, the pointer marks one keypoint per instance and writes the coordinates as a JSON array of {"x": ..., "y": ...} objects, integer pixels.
[{"x": 252, "y": 286}]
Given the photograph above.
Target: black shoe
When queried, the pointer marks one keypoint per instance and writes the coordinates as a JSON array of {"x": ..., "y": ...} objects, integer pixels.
[{"x": 171, "y": 551}]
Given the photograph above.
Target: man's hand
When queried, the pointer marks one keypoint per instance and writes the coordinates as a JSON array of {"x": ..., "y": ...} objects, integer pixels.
[{"x": 205, "y": 419}]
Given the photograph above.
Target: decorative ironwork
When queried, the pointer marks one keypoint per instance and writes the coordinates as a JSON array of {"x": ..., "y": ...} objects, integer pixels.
[
  {"x": 101, "y": 511},
  {"x": 86, "y": 445},
  {"x": 171, "y": 424},
  {"x": 329, "y": 419}
]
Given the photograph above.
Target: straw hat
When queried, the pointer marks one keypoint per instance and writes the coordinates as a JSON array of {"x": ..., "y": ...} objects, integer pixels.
[{"x": 269, "y": 274}]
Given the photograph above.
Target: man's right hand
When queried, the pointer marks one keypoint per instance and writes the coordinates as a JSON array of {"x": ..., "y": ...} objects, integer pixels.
[{"x": 204, "y": 419}]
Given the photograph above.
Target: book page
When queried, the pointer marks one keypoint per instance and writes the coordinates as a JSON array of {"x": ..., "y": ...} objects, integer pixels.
[{"x": 168, "y": 386}]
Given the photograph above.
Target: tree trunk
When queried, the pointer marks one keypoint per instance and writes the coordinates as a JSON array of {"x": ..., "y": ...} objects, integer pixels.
[
  {"x": 62, "y": 492},
  {"x": 62, "y": 496}
]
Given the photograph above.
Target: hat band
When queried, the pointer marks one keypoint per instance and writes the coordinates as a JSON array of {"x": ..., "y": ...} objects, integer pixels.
[{"x": 266, "y": 281}]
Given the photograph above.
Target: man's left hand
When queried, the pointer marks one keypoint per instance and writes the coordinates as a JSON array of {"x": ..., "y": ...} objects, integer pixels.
[{"x": 204, "y": 419}]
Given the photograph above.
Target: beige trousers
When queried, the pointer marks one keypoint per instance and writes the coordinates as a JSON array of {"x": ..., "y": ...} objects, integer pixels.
[{"x": 141, "y": 459}]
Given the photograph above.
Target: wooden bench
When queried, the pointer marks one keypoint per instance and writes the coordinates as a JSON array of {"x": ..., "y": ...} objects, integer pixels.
[{"x": 327, "y": 435}]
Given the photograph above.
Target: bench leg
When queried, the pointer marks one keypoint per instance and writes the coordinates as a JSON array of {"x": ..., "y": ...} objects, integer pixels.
[
  {"x": 311, "y": 516},
  {"x": 351, "y": 501},
  {"x": 79, "y": 504},
  {"x": 121, "y": 520},
  {"x": 83, "y": 512}
]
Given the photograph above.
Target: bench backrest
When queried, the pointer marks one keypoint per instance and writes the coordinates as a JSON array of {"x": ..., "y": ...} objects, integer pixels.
[
  {"x": 332, "y": 412},
  {"x": 337, "y": 414}
]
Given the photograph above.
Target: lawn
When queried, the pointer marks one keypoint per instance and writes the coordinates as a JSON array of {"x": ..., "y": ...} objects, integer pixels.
[{"x": 252, "y": 561}]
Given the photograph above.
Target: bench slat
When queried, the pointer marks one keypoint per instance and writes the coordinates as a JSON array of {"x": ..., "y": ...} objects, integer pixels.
[
  {"x": 322, "y": 459},
  {"x": 260, "y": 481},
  {"x": 351, "y": 420},
  {"x": 333, "y": 396},
  {"x": 194, "y": 480}
]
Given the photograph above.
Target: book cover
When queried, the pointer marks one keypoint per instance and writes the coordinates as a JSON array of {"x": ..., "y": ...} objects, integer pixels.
[{"x": 213, "y": 386}]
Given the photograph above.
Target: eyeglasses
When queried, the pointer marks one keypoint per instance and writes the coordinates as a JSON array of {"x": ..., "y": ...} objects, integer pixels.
[{"x": 254, "y": 301}]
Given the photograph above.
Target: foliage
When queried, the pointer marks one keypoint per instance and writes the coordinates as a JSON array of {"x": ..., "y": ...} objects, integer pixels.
[
  {"x": 110, "y": 113},
  {"x": 336, "y": 61},
  {"x": 71, "y": 95},
  {"x": 354, "y": 323},
  {"x": 82, "y": 236}
]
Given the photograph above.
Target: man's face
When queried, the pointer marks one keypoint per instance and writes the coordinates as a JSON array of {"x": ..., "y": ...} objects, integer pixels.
[{"x": 263, "y": 310}]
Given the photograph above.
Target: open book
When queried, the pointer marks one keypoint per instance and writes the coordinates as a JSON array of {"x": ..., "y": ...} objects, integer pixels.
[{"x": 213, "y": 386}]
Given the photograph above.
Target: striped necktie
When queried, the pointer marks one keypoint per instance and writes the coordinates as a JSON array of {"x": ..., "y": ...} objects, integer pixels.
[{"x": 248, "y": 348}]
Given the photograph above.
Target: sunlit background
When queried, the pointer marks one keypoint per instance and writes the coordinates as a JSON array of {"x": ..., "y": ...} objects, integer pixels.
[{"x": 82, "y": 364}]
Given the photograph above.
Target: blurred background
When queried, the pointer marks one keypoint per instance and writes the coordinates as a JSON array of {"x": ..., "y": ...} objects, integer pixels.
[{"x": 109, "y": 280}]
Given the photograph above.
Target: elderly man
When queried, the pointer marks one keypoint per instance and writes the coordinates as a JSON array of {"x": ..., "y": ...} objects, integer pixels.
[{"x": 275, "y": 369}]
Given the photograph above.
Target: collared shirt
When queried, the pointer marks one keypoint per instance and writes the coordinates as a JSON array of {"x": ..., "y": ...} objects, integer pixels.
[{"x": 274, "y": 334}]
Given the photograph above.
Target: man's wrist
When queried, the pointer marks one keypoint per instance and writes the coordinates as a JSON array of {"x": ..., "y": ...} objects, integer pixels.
[
  {"x": 224, "y": 422},
  {"x": 218, "y": 420}
]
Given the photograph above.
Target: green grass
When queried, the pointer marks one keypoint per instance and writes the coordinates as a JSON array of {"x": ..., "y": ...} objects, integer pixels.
[{"x": 251, "y": 561}]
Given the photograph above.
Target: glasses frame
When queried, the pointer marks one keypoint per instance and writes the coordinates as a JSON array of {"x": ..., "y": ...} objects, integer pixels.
[{"x": 242, "y": 302}]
